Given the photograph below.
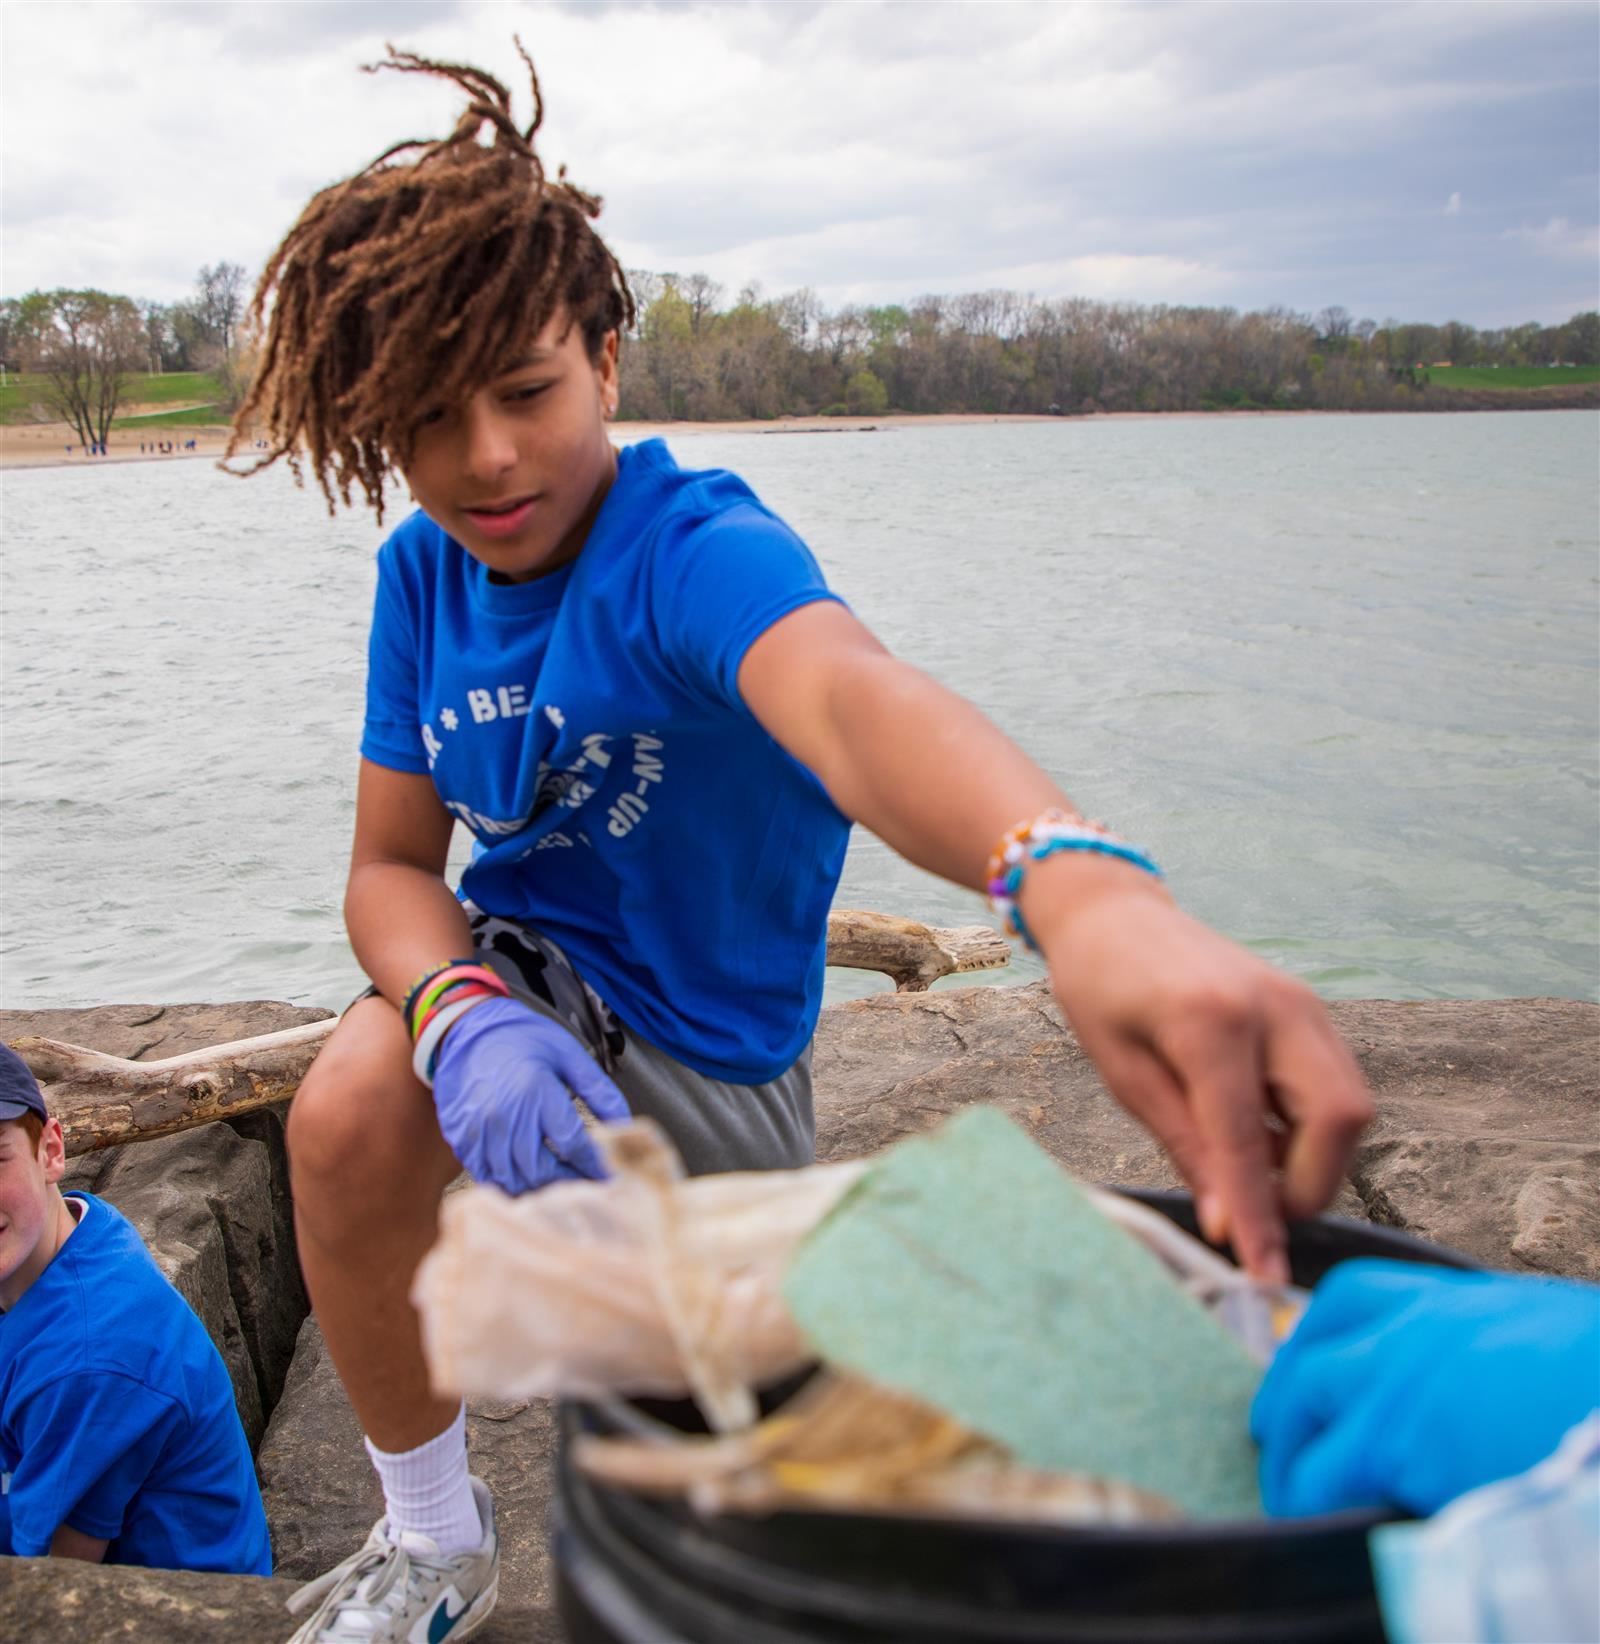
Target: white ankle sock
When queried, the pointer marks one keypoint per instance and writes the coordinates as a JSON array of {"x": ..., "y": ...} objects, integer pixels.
[{"x": 428, "y": 1491}]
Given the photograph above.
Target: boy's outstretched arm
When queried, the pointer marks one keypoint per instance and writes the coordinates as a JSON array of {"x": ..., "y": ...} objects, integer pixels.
[{"x": 1234, "y": 1066}]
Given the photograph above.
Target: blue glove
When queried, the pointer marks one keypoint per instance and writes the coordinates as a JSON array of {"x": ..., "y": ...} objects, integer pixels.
[
  {"x": 1408, "y": 1386},
  {"x": 503, "y": 1085}
]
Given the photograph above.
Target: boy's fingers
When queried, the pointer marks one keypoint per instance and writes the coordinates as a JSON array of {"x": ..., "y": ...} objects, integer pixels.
[
  {"x": 586, "y": 1079},
  {"x": 566, "y": 1136},
  {"x": 1226, "y": 1094},
  {"x": 1322, "y": 1095}
]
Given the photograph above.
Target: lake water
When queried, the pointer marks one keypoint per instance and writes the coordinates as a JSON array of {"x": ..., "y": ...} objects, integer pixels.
[{"x": 1337, "y": 673}]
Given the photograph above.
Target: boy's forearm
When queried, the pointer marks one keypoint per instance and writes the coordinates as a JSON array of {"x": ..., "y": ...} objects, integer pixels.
[
  {"x": 925, "y": 770},
  {"x": 938, "y": 782},
  {"x": 402, "y": 921}
]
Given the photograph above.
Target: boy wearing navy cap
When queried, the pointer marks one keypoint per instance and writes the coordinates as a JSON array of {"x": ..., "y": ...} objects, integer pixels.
[{"x": 119, "y": 1437}]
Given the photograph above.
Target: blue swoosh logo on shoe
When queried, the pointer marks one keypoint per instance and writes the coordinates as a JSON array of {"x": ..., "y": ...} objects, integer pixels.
[{"x": 441, "y": 1621}]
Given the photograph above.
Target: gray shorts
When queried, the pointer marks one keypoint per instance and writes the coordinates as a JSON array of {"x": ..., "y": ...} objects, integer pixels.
[{"x": 715, "y": 1125}]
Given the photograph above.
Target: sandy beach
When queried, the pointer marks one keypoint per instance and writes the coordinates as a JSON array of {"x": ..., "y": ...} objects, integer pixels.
[{"x": 45, "y": 444}]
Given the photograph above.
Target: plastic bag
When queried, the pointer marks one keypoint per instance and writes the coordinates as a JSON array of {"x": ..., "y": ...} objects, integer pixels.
[
  {"x": 1258, "y": 1315},
  {"x": 650, "y": 1283}
]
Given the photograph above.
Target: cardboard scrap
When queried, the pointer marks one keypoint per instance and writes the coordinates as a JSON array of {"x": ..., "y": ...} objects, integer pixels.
[{"x": 968, "y": 1269}]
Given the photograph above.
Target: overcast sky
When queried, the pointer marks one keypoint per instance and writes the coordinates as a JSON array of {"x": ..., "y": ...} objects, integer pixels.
[{"x": 1424, "y": 162}]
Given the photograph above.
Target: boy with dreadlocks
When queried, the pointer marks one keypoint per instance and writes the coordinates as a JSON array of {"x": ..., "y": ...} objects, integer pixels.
[{"x": 633, "y": 686}]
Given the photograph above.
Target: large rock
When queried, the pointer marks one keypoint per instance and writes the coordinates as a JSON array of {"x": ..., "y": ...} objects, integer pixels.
[
  {"x": 895, "y": 1064},
  {"x": 147, "y": 1033},
  {"x": 48, "y": 1599},
  {"x": 213, "y": 1203},
  {"x": 322, "y": 1495},
  {"x": 1488, "y": 1131}
]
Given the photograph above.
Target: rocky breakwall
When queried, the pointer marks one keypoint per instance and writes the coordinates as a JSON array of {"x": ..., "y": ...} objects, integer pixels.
[{"x": 1488, "y": 1139}]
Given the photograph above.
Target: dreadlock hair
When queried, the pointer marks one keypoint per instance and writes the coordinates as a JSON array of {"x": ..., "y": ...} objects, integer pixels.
[{"x": 415, "y": 281}]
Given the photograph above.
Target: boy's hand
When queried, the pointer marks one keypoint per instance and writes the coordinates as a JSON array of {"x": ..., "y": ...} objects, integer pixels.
[
  {"x": 1411, "y": 1385},
  {"x": 1205, "y": 1044},
  {"x": 503, "y": 1086}
]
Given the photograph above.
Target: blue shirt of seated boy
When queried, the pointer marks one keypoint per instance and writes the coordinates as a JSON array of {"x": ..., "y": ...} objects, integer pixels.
[{"x": 117, "y": 1416}]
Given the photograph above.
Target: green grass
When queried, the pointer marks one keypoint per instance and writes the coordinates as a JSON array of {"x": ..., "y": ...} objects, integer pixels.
[
  {"x": 194, "y": 416},
  {"x": 24, "y": 390},
  {"x": 1512, "y": 376}
]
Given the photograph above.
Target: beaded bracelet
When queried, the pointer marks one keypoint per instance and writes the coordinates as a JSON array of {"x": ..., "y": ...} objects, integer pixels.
[
  {"x": 1046, "y": 835},
  {"x": 426, "y": 1052}
]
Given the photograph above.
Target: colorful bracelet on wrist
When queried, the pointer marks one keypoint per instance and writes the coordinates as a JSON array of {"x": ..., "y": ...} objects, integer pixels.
[
  {"x": 436, "y": 992},
  {"x": 1048, "y": 834},
  {"x": 426, "y": 1053}
]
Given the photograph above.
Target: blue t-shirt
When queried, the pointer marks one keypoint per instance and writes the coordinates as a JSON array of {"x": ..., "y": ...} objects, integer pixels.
[
  {"x": 117, "y": 1416},
  {"x": 587, "y": 727}
]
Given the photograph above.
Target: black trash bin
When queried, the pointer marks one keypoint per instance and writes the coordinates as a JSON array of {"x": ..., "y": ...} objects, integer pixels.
[{"x": 633, "y": 1570}]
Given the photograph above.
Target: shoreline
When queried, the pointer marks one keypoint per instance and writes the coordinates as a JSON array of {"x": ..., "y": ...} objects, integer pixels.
[{"x": 43, "y": 445}]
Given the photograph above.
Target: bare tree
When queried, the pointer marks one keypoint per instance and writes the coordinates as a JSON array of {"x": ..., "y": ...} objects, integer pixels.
[
  {"x": 159, "y": 336},
  {"x": 703, "y": 294},
  {"x": 85, "y": 343},
  {"x": 1333, "y": 324},
  {"x": 798, "y": 312},
  {"x": 646, "y": 286},
  {"x": 220, "y": 293}
]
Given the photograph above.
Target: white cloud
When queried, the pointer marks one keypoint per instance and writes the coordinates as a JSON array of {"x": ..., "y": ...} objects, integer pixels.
[
  {"x": 1146, "y": 152},
  {"x": 1560, "y": 238}
]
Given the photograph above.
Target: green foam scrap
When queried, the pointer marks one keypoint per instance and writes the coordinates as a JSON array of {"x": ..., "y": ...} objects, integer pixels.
[{"x": 968, "y": 1269}]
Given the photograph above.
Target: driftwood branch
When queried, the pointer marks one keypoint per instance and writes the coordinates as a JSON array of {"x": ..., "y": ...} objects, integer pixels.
[
  {"x": 103, "y": 1101},
  {"x": 914, "y": 954}
]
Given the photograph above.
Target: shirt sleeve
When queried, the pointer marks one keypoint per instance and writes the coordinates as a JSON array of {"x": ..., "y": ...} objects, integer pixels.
[
  {"x": 89, "y": 1441},
  {"x": 720, "y": 586},
  {"x": 392, "y": 734}
]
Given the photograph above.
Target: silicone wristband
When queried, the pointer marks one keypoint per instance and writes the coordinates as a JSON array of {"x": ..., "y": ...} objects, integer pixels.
[
  {"x": 427, "y": 992},
  {"x": 456, "y": 991},
  {"x": 428, "y": 1043}
]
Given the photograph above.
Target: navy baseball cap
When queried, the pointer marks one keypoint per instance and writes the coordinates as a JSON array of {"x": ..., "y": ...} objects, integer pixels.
[{"x": 19, "y": 1090}]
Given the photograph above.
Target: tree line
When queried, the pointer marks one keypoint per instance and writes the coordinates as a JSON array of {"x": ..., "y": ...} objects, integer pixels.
[
  {"x": 694, "y": 354},
  {"x": 701, "y": 357}
]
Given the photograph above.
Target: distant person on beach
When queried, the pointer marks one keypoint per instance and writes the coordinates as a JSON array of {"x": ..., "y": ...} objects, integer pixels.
[
  {"x": 119, "y": 1437},
  {"x": 633, "y": 686}
]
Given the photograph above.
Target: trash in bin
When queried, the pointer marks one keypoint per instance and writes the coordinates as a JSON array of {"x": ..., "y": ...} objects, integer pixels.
[
  {"x": 1057, "y": 1351},
  {"x": 968, "y": 1269},
  {"x": 649, "y": 1283},
  {"x": 842, "y": 1444}
]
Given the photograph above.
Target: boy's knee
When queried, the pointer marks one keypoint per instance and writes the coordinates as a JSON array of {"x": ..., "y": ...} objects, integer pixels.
[{"x": 360, "y": 1125}]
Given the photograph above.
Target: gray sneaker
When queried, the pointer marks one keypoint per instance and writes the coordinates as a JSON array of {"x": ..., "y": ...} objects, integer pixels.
[{"x": 400, "y": 1589}]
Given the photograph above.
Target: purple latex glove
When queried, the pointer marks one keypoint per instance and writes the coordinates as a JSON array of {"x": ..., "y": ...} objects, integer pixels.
[{"x": 503, "y": 1085}]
